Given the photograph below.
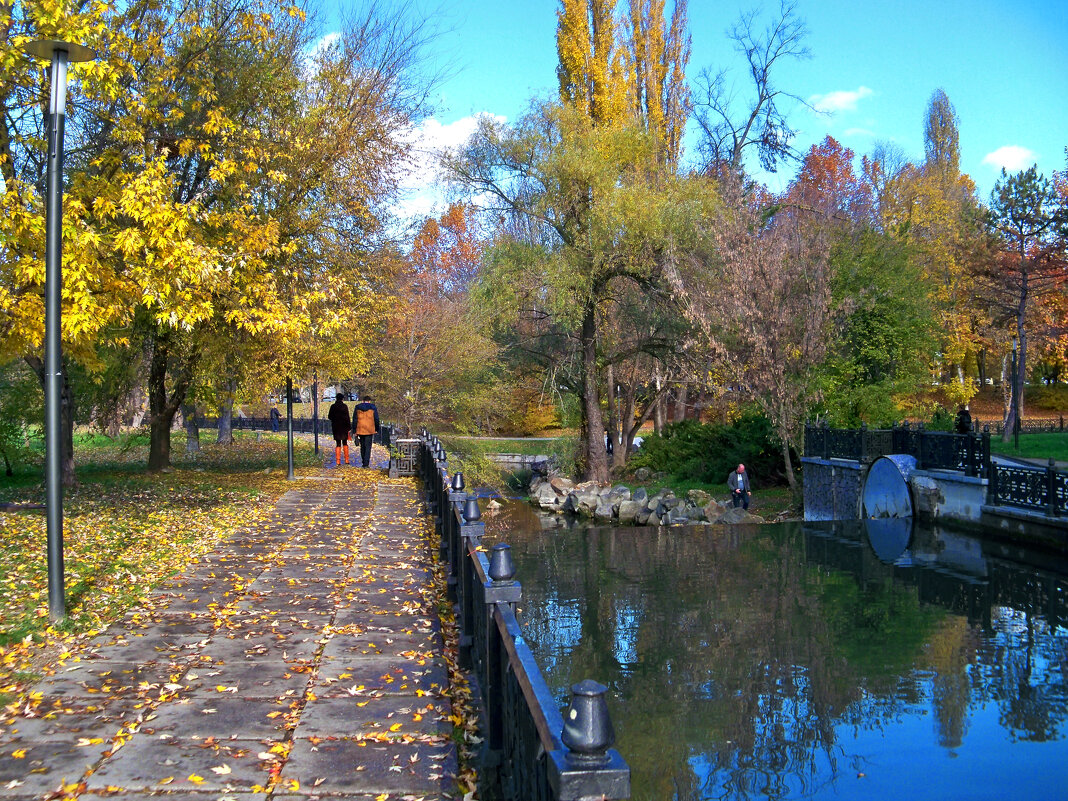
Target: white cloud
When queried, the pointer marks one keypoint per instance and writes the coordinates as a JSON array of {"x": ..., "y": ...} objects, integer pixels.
[
  {"x": 859, "y": 132},
  {"x": 318, "y": 47},
  {"x": 422, "y": 193},
  {"x": 1012, "y": 157},
  {"x": 843, "y": 100}
]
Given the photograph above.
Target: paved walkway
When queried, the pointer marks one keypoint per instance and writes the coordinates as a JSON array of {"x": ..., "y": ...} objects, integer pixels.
[{"x": 301, "y": 659}]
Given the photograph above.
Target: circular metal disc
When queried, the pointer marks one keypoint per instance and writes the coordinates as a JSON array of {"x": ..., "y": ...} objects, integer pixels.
[
  {"x": 45, "y": 48},
  {"x": 886, "y": 489}
]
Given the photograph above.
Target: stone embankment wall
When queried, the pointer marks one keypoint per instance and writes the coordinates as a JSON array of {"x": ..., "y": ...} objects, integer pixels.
[{"x": 617, "y": 504}]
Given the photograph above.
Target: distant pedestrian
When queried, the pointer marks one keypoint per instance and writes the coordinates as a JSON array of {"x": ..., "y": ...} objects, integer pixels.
[
  {"x": 608, "y": 442},
  {"x": 963, "y": 423},
  {"x": 367, "y": 426},
  {"x": 738, "y": 484},
  {"x": 275, "y": 417},
  {"x": 341, "y": 424}
]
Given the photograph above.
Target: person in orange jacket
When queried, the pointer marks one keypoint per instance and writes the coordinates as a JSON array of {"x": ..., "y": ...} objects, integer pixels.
[
  {"x": 341, "y": 424},
  {"x": 367, "y": 425}
]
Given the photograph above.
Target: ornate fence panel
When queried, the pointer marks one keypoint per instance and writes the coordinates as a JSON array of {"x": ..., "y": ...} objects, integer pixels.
[
  {"x": 1029, "y": 425},
  {"x": 1040, "y": 489},
  {"x": 529, "y": 752},
  {"x": 969, "y": 453}
]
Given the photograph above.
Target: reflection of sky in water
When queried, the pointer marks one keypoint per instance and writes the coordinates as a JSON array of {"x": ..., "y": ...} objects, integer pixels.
[
  {"x": 628, "y": 621},
  {"x": 975, "y": 709}
]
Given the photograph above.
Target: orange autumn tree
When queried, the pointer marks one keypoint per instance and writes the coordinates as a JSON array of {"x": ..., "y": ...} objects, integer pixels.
[{"x": 435, "y": 357}]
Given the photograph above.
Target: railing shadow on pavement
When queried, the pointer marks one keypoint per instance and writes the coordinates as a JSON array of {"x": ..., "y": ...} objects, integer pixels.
[{"x": 529, "y": 750}]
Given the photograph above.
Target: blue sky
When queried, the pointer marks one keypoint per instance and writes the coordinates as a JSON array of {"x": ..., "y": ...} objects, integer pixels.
[{"x": 874, "y": 65}]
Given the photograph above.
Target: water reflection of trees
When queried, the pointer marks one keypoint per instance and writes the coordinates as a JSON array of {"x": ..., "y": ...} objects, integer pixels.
[{"x": 733, "y": 658}]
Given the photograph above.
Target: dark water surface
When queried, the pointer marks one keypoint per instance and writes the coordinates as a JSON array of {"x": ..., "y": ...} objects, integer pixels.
[{"x": 807, "y": 660}]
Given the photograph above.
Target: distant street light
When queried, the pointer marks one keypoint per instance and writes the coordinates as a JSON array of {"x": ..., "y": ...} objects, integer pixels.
[{"x": 60, "y": 53}]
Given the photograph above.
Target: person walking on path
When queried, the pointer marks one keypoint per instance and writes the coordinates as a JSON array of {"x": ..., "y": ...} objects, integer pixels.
[
  {"x": 341, "y": 424},
  {"x": 367, "y": 426},
  {"x": 738, "y": 484},
  {"x": 275, "y": 417}
]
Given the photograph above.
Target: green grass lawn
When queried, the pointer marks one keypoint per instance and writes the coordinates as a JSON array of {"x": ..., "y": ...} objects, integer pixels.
[{"x": 1034, "y": 446}]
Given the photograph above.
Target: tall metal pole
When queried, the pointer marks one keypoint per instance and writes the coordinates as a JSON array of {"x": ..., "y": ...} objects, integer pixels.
[
  {"x": 53, "y": 325},
  {"x": 315, "y": 408},
  {"x": 60, "y": 53},
  {"x": 289, "y": 428}
]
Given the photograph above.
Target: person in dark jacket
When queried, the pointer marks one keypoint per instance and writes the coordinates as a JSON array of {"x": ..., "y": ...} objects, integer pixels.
[
  {"x": 275, "y": 417},
  {"x": 963, "y": 423},
  {"x": 738, "y": 484},
  {"x": 341, "y": 424},
  {"x": 367, "y": 425}
]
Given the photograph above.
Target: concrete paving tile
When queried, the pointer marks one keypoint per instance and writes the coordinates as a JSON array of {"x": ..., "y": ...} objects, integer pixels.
[
  {"x": 286, "y": 601},
  {"x": 380, "y": 675},
  {"x": 106, "y": 679},
  {"x": 69, "y": 723},
  {"x": 41, "y": 767},
  {"x": 372, "y": 643},
  {"x": 356, "y": 716},
  {"x": 224, "y": 717},
  {"x": 351, "y": 766},
  {"x": 264, "y": 679},
  {"x": 286, "y": 646},
  {"x": 144, "y": 763}
]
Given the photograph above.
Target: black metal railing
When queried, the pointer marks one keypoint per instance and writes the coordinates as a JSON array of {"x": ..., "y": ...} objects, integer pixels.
[
  {"x": 529, "y": 752},
  {"x": 933, "y": 450},
  {"x": 1041, "y": 489},
  {"x": 301, "y": 425},
  {"x": 1029, "y": 425}
]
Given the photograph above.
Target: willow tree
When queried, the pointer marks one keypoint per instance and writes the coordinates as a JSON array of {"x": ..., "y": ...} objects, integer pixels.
[
  {"x": 598, "y": 217},
  {"x": 625, "y": 72}
]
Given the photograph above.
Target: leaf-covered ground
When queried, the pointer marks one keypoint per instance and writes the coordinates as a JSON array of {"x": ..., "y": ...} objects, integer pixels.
[
  {"x": 128, "y": 533},
  {"x": 124, "y": 532}
]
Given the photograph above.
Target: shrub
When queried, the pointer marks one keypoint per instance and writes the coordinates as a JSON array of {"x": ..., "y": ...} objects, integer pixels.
[{"x": 709, "y": 452}]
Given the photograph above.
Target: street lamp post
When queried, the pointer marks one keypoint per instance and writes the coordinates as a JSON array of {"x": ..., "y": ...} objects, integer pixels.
[
  {"x": 315, "y": 408},
  {"x": 60, "y": 54},
  {"x": 289, "y": 428}
]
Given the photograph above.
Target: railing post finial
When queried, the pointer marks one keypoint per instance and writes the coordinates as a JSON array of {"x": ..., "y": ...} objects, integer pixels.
[
  {"x": 588, "y": 732},
  {"x": 471, "y": 512},
  {"x": 501, "y": 566}
]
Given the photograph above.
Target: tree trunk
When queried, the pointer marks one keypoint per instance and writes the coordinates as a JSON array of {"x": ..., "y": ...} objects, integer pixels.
[
  {"x": 980, "y": 367},
  {"x": 226, "y": 412},
  {"x": 788, "y": 463},
  {"x": 1006, "y": 398},
  {"x": 66, "y": 418},
  {"x": 682, "y": 401},
  {"x": 192, "y": 430},
  {"x": 595, "y": 463},
  {"x": 161, "y": 408}
]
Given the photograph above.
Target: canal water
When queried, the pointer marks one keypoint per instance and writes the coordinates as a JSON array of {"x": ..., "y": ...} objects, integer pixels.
[{"x": 800, "y": 661}]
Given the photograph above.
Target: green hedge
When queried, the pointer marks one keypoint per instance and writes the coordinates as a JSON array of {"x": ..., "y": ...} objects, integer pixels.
[{"x": 709, "y": 452}]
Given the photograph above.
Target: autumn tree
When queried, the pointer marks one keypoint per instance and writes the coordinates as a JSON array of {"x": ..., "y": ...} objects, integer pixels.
[
  {"x": 596, "y": 215},
  {"x": 730, "y": 130},
  {"x": 434, "y": 360},
  {"x": 1029, "y": 218},
  {"x": 761, "y": 296}
]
